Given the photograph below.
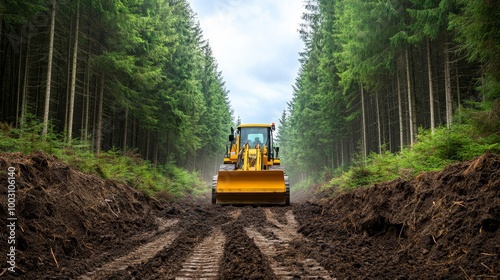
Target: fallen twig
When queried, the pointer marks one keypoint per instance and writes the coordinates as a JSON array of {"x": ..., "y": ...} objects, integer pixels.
[
  {"x": 466, "y": 275},
  {"x": 491, "y": 270},
  {"x": 488, "y": 254},
  {"x": 54, "y": 257},
  {"x": 106, "y": 200}
]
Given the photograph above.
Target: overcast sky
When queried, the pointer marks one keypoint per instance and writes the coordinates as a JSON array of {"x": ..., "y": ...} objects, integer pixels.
[{"x": 257, "y": 45}]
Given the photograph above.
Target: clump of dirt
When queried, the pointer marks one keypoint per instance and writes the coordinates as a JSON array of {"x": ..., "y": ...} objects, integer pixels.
[
  {"x": 441, "y": 225},
  {"x": 64, "y": 216}
]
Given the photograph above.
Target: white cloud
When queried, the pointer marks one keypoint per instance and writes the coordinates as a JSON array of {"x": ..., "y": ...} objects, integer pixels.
[{"x": 256, "y": 45}]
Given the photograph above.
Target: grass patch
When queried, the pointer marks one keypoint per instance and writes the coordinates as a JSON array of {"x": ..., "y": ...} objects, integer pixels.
[
  {"x": 432, "y": 151},
  {"x": 127, "y": 168}
]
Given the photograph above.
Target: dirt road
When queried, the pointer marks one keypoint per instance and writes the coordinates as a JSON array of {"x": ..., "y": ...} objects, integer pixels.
[
  {"x": 441, "y": 225},
  {"x": 220, "y": 243}
]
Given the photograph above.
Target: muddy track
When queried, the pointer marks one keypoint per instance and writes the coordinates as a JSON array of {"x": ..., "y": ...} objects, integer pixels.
[
  {"x": 212, "y": 242},
  {"x": 137, "y": 256},
  {"x": 204, "y": 261},
  {"x": 285, "y": 263},
  {"x": 218, "y": 243}
]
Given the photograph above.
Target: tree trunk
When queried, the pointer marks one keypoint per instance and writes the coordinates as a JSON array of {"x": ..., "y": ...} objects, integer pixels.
[
  {"x": 85, "y": 121},
  {"x": 98, "y": 136},
  {"x": 147, "y": 144},
  {"x": 363, "y": 121},
  {"x": 378, "y": 125},
  {"x": 155, "y": 157},
  {"x": 49, "y": 69},
  {"x": 342, "y": 152},
  {"x": 447, "y": 83},
  {"x": 24, "y": 100},
  {"x": 73, "y": 77},
  {"x": 68, "y": 86},
  {"x": 431, "y": 87},
  {"x": 458, "y": 87},
  {"x": 19, "y": 91},
  {"x": 400, "y": 114},
  {"x": 411, "y": 105},
  {"x": 125, "y": 126}
]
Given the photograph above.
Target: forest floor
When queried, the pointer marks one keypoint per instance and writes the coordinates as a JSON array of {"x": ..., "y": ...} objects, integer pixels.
[{"x": 70, "y": 225}]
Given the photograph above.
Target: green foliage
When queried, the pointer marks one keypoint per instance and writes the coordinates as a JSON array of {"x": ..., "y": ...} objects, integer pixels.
[
  {"x": 184, "y": 183},
  {"x": 431, "y": 152},
  {"x": 126, "y": 168},
  {"x": 30, "y": 139},
  {"x": 486, "y": 119},
  {"x": 14, "y": 11},
  {"x": 381, "y": 47},
  {"x": 476, "y": 26}
]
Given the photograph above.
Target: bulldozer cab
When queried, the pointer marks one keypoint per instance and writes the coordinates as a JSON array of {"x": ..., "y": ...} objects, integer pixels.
[{"x": 254, "y": 136}]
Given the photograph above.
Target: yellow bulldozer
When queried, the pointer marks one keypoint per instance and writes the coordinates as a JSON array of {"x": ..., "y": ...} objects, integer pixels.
[{"x": 251, "y": 172}]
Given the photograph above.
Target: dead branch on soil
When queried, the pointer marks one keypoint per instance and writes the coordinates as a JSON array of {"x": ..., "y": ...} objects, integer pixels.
[
  {"x": 54, "y": 257},
  {"x": 110, "y": 209},
  {"x": 433, "y": 238},
  {"x": 466, "y": 275},
  {"x": 492, "y": 269},
  {"x": 459, "y": 203},
  {"x": 488, "y": 254}
]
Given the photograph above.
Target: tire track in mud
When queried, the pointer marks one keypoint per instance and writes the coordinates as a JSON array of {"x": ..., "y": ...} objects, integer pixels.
[
  {"x": 196, "y": 251},
  {"x": 139, "y": 255},
  {"x": 205, "y": 259},
  {"x": 223, "y": 243},
  {"x": 275, "y": 246},
  {"x": 242, "y": 259}
]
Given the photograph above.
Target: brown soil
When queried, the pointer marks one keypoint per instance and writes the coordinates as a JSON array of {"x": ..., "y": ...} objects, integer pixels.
[{"x": 70, "y": 225}]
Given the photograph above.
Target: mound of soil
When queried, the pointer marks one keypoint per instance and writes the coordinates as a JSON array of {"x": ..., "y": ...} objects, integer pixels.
[
  {"x": 441, "y": 225},
  {"x": 64, "y": 215}
]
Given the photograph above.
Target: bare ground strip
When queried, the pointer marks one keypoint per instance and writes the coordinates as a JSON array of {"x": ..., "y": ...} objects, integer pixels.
[
  {"x": 204, "y": 262},
  {"x": 275, "y": 247},
  {"x": 135, "y": 257}
]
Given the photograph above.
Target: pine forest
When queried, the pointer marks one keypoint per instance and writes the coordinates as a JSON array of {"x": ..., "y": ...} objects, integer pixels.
[
  {"x": 375, "y": 74},
  {"x": 137, "y": 75},
  {"x": 125, "y": 75}
]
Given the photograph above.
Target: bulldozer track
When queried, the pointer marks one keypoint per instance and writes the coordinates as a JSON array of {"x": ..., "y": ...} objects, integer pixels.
[
  {"x": 283, "y": 262},
  {"x": 272, "y": 234},
  {"x": 205, "y": 259},
  {"x": 141, "y": 254}
]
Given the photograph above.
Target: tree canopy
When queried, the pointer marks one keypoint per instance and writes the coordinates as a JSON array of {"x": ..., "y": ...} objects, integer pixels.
[
  {"x": 372, "y": 72},
  {"x": 145, "y": 79}
]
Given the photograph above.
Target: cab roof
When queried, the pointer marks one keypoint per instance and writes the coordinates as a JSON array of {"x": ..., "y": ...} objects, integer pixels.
[{"x": 254, "y": 125}]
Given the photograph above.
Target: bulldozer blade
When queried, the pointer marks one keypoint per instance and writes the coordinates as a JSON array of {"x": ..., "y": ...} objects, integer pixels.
[{"x": 251, "y": 187}]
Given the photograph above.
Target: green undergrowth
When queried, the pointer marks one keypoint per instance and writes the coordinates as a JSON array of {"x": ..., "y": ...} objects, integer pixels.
[
  {"x": 475, "y": 133},
  {"x": 165, "y": 181}
]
